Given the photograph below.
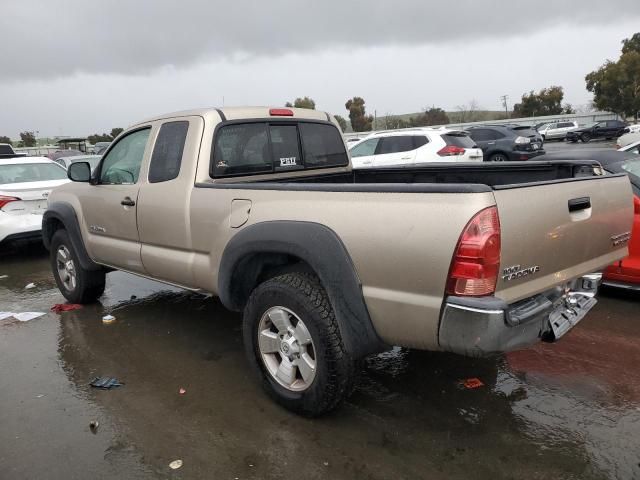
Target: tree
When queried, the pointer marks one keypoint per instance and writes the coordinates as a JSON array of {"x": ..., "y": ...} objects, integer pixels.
[
  {"x": 115, "y": 132},
  {"x": 547, "y": 101},
  {"x": 360, "y": 121},
  {"x": 342, "y": 122},
  {"x": 4, "y": 139},
  {"x": 305, "y": 102},
  {"x": 468, "y": 112},
  {"x": 431, "y": 116},
  {"x": 393, "y": 122},
  {"x": 616, "y": 85},
  {"x": 97, "y": 137},
  {"x": 28, "y": 139}
]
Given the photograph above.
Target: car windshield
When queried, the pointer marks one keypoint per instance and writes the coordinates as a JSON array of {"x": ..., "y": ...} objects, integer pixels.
[
  {"x": 632, "y": 167},
  {"x": 30, "y": 172},
  {"x": 591, "y": 125}
]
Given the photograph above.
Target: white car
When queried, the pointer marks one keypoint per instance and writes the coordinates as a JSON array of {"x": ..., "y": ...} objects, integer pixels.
[
  {"x": 25, "y": 184},
  {"x": 556, "y": 130},
  {"x": 627, "y": 139},
  {"x": 632, "y": 147},
  {"x": 413, "y": 147}
]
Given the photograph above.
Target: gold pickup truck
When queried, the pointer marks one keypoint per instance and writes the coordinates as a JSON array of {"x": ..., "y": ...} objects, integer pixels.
[{"x": 260, "y": 207}]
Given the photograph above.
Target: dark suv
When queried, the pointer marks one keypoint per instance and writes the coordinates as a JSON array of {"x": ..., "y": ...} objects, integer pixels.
[
  {"x": 605, "y": 129},
  {"x": 502, "y": 143}
]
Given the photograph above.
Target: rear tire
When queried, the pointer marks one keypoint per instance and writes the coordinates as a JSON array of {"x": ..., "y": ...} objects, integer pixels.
[
  {"x": 306, "y": 368},
  {"x": 75, "y": 283},
  {"x": 498, "y": 157}
]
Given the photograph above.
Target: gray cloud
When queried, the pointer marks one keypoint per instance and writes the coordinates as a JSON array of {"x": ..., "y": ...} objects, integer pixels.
[{"x": 44, "y": 39}]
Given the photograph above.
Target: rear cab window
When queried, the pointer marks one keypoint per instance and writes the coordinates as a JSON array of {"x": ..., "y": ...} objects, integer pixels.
[{"x": 248, "y": 148}]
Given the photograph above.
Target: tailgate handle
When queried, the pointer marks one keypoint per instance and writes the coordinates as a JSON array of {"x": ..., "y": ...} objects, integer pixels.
[{"x": 582, "y": 203}]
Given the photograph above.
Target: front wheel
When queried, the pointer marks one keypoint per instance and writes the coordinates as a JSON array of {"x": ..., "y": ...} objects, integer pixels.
[
  {"x": 75, "y": 283},
  {"x": 293, "y": 342},
  {"x": 585, "y": 137}
]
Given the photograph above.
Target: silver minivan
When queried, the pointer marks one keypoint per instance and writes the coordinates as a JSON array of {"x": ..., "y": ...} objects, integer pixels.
[{"x": 557, "y": 130}]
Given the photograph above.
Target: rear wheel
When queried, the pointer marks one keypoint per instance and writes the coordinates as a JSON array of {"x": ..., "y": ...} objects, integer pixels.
[
  {"x": 75, "y": 283},
  {"x": 293, "y": 342},
  {"x": 498, "y": 157},
  {"x": 585, "y": 137}
]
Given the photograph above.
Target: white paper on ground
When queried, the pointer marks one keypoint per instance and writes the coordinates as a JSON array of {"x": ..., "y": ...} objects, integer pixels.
[
  {"x": 26, "y": 316},
  {"x": 4, "y": 315}
]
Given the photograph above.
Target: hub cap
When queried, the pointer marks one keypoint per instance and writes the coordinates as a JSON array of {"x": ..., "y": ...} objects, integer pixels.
[
  {"x": 66, "y": 268},
  {"x": 286, "y": 349}
]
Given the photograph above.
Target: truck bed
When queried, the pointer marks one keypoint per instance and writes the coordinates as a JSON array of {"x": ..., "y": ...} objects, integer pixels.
[{"x": 442, "y": 177}]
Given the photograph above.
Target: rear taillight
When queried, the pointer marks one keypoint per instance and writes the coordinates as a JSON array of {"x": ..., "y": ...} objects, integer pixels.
[
  {"x": 636, "y": 205},
  {"x": 281, "y": 112},
  {"x": 476, "y": 261},
  {"x": 4, "y": 200},
  {"x": 450, "y": 151},
  {"x": 522, "y": 140}
]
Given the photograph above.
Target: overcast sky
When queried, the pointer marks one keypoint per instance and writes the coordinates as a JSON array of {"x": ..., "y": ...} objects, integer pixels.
[{"x": 77, "y": 67}]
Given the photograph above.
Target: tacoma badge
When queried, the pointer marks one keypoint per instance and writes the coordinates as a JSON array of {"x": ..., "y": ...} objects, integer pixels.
[{"x": 514, "y": 272}]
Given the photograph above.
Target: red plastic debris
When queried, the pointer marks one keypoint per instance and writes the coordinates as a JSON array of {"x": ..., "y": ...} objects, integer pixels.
[
  {"x": 472, "y": 383},
  {"x": 65, "y": 307},
  {"x": 182, "y": 391}
]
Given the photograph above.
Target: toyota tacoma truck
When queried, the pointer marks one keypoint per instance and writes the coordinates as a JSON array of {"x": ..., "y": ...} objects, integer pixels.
[{"x": 260, "y": 207}]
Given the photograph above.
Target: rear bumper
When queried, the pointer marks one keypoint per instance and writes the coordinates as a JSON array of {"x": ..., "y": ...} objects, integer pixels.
[
  {"x": 478, "y": 327},
  {"x": 518, "y": 156},
  {"x": 13, "y": 227}
]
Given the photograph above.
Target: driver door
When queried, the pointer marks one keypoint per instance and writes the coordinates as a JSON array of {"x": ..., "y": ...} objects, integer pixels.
[{"x": 110, "y": 205}]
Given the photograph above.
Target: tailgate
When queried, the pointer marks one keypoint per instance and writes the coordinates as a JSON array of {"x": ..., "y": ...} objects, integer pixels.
[{"x": 557, "y": 231}]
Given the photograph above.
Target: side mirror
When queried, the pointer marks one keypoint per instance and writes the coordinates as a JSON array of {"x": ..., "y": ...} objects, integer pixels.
[{"x": 79, "y": 172}]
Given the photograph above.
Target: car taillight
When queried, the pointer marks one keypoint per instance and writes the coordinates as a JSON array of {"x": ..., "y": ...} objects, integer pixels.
[
  {"x": 450, "y": 151},
  {"x": 476, "y": 262},
  {"x": 636, "y": 205},
  {"x": 4, "y": 200},
  {"x": 522, "y": 140},
  {"x": 281, "y": 112}
]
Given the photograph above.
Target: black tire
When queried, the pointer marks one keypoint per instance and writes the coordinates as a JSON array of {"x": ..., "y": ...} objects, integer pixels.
[
  {"x": 89, "y": 284},
  {"x": 573, "y": 139},
  {"x": 585, "y": 137},
  {"x": 335, "y": 369},
  {"x": 499, "y": 157}
]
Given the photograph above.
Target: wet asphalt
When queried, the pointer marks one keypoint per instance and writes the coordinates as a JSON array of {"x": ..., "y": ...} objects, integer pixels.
[{"x": 569, "y": 410}]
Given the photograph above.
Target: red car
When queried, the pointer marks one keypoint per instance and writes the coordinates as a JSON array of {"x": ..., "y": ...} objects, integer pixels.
[{"x": 626, "y": 272}]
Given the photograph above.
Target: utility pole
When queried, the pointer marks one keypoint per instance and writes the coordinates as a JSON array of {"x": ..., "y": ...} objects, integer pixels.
[{"x": 504, "y": 99}]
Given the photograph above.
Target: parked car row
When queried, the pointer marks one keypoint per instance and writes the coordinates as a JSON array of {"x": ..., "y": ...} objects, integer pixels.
[
  {"x": 494, "y": 143},
  {"x": 607, "y": 129}
]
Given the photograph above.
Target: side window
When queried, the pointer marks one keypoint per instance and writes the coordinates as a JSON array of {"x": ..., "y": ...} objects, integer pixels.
[
  {"x": 284, "y": 144},
  {"x": 167, "y": 152},
  {"x": 122, "y": 164},
  {"x": 242, "y": 149},
  {"x": 322, "y": 145},
  {"x": 419, "y": 141},
  {"x": 366, "y": 148},
  {"x": 480, "y": 134},
  {"x": 395, "y": 144}
]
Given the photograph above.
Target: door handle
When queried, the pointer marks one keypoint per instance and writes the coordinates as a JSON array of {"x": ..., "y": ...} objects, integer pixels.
[
  {"x": 582, "y": 203},
  {"x": 405, "y": 158},
  {"x": 127, "y": 202}
]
